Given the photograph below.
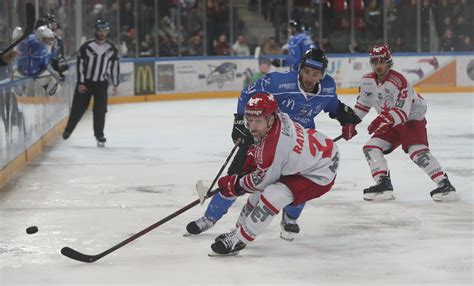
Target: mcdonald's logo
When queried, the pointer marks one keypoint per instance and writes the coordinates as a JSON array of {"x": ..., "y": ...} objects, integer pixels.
[{"x": 144, "y": 78}]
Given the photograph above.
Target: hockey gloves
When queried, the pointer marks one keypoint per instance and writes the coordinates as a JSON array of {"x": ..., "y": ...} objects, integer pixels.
[
  {"x": 348, "y": 119},
  {"x": 349, "y": 131},
  {"x": 240, "y": 131},
  {"x": 230, "y": 186},
  {"x": 381, "y": 123}
]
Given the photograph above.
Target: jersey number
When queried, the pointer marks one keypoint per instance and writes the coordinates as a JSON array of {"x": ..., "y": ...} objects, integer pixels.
[{"x": 315, "y": 145}]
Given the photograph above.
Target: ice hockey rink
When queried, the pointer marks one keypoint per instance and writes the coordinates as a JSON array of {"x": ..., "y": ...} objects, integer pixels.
[{"x": 91, "y": 198}]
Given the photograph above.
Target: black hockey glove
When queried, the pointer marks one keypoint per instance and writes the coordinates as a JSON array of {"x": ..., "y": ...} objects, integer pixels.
[
  {"x": 240, "y": 131},
  {"x": 345, "y": 115}
]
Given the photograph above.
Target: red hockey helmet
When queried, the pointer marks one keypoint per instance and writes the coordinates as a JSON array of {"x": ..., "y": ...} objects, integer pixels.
[
  {"x": 261, "y": 104},
  {"x": 381, "y": 52}
]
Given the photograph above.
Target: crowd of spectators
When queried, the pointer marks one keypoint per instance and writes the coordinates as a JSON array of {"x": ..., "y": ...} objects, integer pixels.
[
  {"x": 446, "y": 25},
  {"x": 188, "y": 28},
  {"x": 182, "y": 28}
]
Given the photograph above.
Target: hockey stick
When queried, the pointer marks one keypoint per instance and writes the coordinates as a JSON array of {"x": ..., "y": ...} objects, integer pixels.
[
  {"x": 30, "y": 24},
  {"x": 337, "y": 138},
  {"x": 76, "y": 255},
  {"x": 200, "y": 186}
]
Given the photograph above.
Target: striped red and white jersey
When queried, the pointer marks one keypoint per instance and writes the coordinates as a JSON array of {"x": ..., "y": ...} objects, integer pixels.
[
  {"x": 394, "y": 95},
  {"x": 288, "y": 149}
]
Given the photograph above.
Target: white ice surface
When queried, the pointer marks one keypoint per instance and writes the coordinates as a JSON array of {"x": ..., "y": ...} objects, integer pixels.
[{"x": 91, "y": 198}]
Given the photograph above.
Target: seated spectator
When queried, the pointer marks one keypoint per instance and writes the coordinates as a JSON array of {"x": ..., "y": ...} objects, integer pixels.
[
  {"x": 271, "y": 47},
  {"x": 240, "y": 47},
  {"x": 221, "y": 48},
  {"x": 194, "y": 47},
  {"x": 147, "y": 46},
  {"x": 447, "y": 42},
  {"x": 465, "y": 44}
]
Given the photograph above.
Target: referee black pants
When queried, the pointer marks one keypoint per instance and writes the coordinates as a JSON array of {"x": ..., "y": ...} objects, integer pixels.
[{"x": 81, "y": 101}]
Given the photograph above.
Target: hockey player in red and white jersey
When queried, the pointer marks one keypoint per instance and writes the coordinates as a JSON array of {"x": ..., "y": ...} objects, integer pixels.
[
  {"x": 401, "y": 121},
  {"x": 291, "y": 165}
]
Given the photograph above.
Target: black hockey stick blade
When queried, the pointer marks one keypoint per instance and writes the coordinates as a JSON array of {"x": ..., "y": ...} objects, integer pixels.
[
  {"x": 76, "y": 255},
  {"x": 30, "y": 24},
  {"x": 73, "y": 254}
]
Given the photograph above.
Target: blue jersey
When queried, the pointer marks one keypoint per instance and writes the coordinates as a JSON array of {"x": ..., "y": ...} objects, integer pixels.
[
  {"x": 302, "y": 107},
  {"x": 34, "y": 56},
  {"x": 298, "y": 44}
]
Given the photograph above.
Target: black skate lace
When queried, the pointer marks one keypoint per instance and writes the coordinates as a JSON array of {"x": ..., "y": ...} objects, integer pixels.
[{"x": 230, "y": 239}]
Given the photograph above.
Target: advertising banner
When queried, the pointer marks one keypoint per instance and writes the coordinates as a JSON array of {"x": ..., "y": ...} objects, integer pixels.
[
  {"x": 465, "y": 71},
  {"x": 165, "y": 77},
  {"x": 229, "y": 74},
  {"x": 144, "y": 78}
]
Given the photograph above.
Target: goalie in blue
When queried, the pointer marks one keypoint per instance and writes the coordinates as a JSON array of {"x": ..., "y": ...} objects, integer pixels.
[{"x": 302, "y": 94}]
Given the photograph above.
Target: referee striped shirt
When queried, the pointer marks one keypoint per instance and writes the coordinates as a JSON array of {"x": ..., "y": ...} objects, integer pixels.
[{"x": 96, "y": 62}]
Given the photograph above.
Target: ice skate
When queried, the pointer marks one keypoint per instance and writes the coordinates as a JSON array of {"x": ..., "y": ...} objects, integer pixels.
[
  {"x": 289, "y": 228},
  {"x": 101, "y": 141},
  {"x": 66, "y": 135},
  {"x": 229, "y": 244},
  {"x": 200, "y": 225},
  {"x": 380, "y": 192},
  {"x": 445, "y": 192}
]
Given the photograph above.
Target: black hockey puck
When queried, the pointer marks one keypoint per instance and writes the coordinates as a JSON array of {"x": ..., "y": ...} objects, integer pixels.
[{"x": 32, "y": 229}]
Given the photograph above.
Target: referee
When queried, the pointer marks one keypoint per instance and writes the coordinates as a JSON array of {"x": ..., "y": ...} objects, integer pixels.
[{"x": 96, "y": 60}]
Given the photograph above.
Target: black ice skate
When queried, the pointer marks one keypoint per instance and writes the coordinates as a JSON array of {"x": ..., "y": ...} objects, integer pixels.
[
  {"x": 228, "y": 244},
  {"x": 380, "y": 192},
  {"x": 66, "y": 135},
  {"x": 289, "y": 228},
  {"x": 445, "y": 192},
  {"x": 200, "y": 225},
  {"x": 101, "y": 141}
]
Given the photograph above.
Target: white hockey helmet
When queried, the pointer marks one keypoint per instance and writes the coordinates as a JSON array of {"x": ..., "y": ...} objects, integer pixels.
[{"x": 45, "y": 35}]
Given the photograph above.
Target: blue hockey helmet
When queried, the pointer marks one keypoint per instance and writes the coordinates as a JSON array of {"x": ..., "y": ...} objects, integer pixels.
[
  {"x": 296, "y": 24},
  {"x": 316, "y": 59}
]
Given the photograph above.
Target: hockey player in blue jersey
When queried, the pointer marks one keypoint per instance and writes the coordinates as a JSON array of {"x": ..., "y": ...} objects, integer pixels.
[
  {"x": 298, "y": 43},
  {"x": 36, "y": 53},
  {"x": 302, "y": 95}
]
